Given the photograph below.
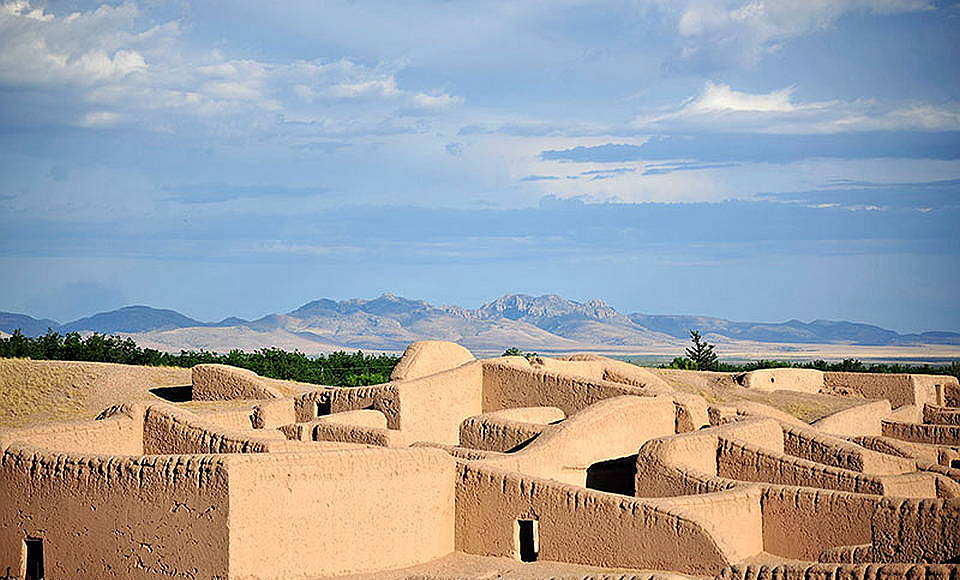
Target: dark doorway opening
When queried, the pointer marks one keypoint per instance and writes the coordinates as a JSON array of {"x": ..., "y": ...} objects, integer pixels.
[
  {"x": 614, "y": 475},
  {"x": 34, "y": 569},
  {"x": 323, "y": 405},
  {"x": 179, "y": 394},
  {"x": 528, "y": 539},
  {"x": 955, "y": 464}
]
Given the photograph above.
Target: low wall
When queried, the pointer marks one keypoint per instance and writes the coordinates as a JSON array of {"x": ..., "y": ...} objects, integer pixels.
[
  {"x": 912, "y": 530},
  {"x": 539, "y": 415},
  {"x": 490, "y": 433},
  {"x": 856, "y": 421},
  {"x": 509, "y": 383},
  {"x": 803, "y": 380},
  {"x": 801, "y": 571},
  {"x": 745, "y": 463},
  {"x": 812, "y": 445},
  {"x": 800, "y": 523},
  {"x": 325, "y": 431},
  {"x": 167, "y": 430},
  {"x": 578, "y": 525},
  {"x": 112, "y": 516},
  {"x": 306, "y": 515},
  {"x": 214, "y": 382},
  {"x": 921, "y": 433},
  {"x": 937, "y": 415},
  {"x": 120, "y": 434},
  {"x": 899, "y": 389}
]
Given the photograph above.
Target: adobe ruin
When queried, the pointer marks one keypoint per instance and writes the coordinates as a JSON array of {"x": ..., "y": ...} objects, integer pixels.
[{"x": 582, "y": 460}]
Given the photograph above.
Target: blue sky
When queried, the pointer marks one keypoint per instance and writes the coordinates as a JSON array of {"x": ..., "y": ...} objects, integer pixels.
[{"x": 755, "y": 160}]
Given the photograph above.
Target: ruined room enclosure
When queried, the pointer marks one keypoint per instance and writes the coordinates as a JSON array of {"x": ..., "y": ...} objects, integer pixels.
[{"x": 583, "y": 460}]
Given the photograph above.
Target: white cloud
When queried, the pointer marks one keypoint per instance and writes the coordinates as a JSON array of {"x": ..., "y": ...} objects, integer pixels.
[
  {"x": 746, "y": 30},
  {"x": 721, "y": 108},
  {"x": 99, "y": 119},
  {"x": 718, "y": 98},
  {"x": 111, "y": 59}
]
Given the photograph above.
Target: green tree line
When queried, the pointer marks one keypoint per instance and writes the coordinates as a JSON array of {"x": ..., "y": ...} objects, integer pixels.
[
  {"x": 335, "y": 369},
  {"x": 702, "y": 355}
]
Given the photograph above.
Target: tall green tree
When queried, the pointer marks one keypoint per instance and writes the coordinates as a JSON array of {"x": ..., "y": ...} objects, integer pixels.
[{"x": 702, "y": 353}]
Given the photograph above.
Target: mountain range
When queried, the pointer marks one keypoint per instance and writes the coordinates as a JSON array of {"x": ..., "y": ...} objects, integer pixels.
[{"x": 544, "y": 323}]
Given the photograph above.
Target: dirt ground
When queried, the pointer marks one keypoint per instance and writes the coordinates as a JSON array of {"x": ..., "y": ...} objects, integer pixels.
[
  {"x": 459, "y": 566},
  {"x": 719, "y": 388},
  {"x": 33, "y": 392}
]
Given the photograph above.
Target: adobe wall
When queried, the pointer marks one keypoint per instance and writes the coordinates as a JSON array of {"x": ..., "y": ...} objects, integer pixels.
[
  {"x": 803, "y": 380},
  {"x": 913, "y": 530},
  {"x": 577, "y": 525},
  {"x": 346, "y": 433},
  {"x": 304, "y": 515},
  {"x": 539, "y": 415},
  {"x": 810, "y": 444},
  {"x": 361, "y": 417},
  {"x": 328, "y": 400},
  {"x": 854, "y": 421},
  {"x": 609, "y": 429},
  {"x": 168, "y": 430},
  {"x": 427, "y": 357},
  {"x": 687, "y": 463},
  {"x": 810, "y": 571},
  {"x": 899, "y": 389},
  {"x": 215, "y": 382},
  {"x": 937, "y": 415},
  {"x": 434, "y": 406},
  {"x": 801, "y": 522},
  {"x": 491, "y": 433},
  {"x": 106, "y": 516},
  {"x": 608, "y": 369},
  {"x": 512, "y": 382},
  {"x": 120, "y": 434},
  {"x": 745, "y": 463},
  {"x": 922, "y": 433}
]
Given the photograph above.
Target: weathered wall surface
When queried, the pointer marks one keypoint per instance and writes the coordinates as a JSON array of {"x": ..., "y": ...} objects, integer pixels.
[
  {"x": 490, "y": 433},
  {"x": 214, "y": 382},
  {"x": 513, "y": 382},
  {"x": 856, "y": 421},
  {"x": 899, "y": 389},
  {"x": 746, "y": 463},
  {"x": 578, "y": 525},
  {"x": 803, "y": 571},
  {"x": 802, "y": 522},
  {"x": 804, "y": 380},
  {"x": 303, "y": 515},
  {"x": 609, "y": 429},
  {"x": 810, "y": 444},
  {"x": 941, "y": 415},
  {"x": 111, "y": 516},
  {"x": 427, "y": 357},
  {"x": 912, "y": 530},
  {"x": 346, "y": 433},
  {"x": 167, "y": 430},
  {"x": 921, "y": 433}
]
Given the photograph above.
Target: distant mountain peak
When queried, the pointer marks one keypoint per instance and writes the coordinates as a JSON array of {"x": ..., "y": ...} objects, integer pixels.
[{"x": 548, "y": 321}]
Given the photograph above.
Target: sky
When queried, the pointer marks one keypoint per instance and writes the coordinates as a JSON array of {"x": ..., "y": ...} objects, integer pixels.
[{"x": 753, "y": 160}]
